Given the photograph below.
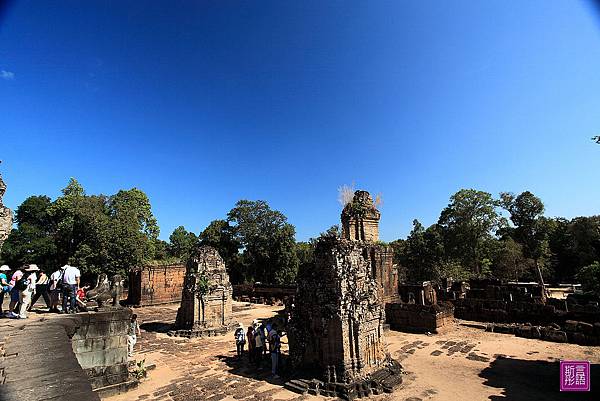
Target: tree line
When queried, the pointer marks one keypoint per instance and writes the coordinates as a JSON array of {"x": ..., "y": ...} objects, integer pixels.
[
  {"x": 476, "y": 235},
  {"x": 508, "y": 237}
]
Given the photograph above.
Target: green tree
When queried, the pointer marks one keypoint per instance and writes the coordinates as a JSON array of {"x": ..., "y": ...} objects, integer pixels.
[
  {"x": 531, "y": 229},
  {"x": 221, "y": 235},
  {"x": 508, "y": 262},
  {"x": 589, "y": 277},
  {"x": 468, "y": 224},
  {"x": 268, "y": 240},
  {"x": 182, "y": 243}
]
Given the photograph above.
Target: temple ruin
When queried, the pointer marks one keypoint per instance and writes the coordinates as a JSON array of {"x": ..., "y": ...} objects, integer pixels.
[
  {"x": 336, "y": 327},
  {"x": 6, "y": 217},
  {"x": 206, "y": 297}
]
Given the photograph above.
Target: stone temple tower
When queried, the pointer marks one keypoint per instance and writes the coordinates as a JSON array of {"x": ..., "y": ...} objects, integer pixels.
[
  {"x": 6, "y": 217},
  {"x": 336, "y": 327},
  {"x": 206, "y": 298},
  {"x": 360, "y": 219}
]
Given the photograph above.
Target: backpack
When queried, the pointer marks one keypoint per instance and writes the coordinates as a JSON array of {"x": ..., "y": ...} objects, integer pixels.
[
  {"x": 22, "y": 283},
  {"x": 60, "y": 281},
  {"x": 240, "y": 338}
]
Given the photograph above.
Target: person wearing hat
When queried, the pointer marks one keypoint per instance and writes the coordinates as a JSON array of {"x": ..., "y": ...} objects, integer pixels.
[
  {"x": 240, "y": 339},
  {"x": 41, "y": 290},
  {"x": 29, "y": 291},
  {"x": 3, "y": 285}
]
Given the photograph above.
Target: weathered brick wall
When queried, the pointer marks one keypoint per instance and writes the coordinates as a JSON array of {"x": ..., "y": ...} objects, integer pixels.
[
  {"x": 385, "y": 272},
  {"x": 155, "y": 285},
  {"x": 419, "y": 318}
]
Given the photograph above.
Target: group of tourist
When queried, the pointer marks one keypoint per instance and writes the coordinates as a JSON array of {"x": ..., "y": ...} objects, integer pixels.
[
  {"x": 28, "y": 283},
  {"x": 262, "y": 339}
]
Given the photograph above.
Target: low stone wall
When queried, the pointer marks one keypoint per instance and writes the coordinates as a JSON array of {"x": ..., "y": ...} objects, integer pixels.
[
  {"x": 263, "y": 293},
  {"x": 500, "y": 311},
  {"x": 419, "y": 318},
  {"x": 571, "y": 331},
  {"x": 71, "y": 357},
  {"x": 100, "y": 344},
  {"x": 155, "y": 285}
]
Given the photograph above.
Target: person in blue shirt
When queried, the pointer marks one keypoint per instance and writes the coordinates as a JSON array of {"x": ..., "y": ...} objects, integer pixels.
[{"x": 4, "y": 288}]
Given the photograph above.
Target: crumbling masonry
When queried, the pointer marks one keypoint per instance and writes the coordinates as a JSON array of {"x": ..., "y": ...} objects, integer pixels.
[
  {"x": 6, "y": 217},
  {"x": 336, "y": 328},
  {"x": 206, "y": 298}
]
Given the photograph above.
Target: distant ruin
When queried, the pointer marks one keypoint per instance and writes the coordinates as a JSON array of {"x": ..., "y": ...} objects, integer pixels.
[
  {"x": 6, "y": 216},
  {"x": 360, "y": 218},
  {"x": 336, "y": 327},
  {"x": 206, "y": 298}
]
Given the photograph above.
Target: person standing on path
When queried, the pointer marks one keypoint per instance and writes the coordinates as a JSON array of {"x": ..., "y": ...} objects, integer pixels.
[
  {"x": 275, "y": 349},
  {"x": 71, "y": 277},
  {"x": 41, "y": 290},
  {"x": 240, "y": 340},
  {"x": 28, "y": 292},
  {"x": 251, "y": 343},
  {"x": 14, "y": 293},
  {"x": 56, "y": 285},
  {"x": 4, "y": 285},
  {"x": 133, "y": 332}
]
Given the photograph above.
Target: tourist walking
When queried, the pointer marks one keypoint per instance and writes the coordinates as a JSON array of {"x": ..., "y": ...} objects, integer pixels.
[
  {"x": 275, "y": 349},
  {"x": 14, "y": 293},
  {"x": 71, "y": 277},
  {"x": 56, "y": 285},
  {"x": 251, "y": 343},
  {"x": 41, "y": 290},
  {"x": 240, "y": 340},
  {"x": 28, "y": 289},
  {"x": 4, "y": 285},
  {"x": 133, "y": 332}
]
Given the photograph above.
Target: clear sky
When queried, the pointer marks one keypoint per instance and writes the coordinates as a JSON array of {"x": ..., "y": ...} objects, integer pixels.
[{"x": 201, "y": 104}]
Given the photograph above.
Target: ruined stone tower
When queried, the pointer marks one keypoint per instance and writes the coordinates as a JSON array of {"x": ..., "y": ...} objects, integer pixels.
[
  {"x": 206, "y": 298},
  {"x": 6, "y": 217},
  {"x": 360, "y": 219},
  {"x": 336, "y": 329}
]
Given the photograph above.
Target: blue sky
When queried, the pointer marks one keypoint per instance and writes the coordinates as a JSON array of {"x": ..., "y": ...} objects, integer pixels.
[{"x": 201, "y": 104}]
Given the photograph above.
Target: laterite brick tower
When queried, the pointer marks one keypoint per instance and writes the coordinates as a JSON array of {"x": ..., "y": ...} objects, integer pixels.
[{"x": 337, "y": 320}]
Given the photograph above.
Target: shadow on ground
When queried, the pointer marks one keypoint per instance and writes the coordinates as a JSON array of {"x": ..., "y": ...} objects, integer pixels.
[
  {"x": 157, "y": 327},
  {"x": 523, "y": 380},
  {"x": 262, "y": 372}
]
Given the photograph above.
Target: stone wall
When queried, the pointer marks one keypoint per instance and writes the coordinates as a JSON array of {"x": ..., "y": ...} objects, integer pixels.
[
  {"x": 264, "y": 293},
  {"x": 63, "y": 358},
  {"x": 419, "y": 318},
  {"x": 155, "y": 285},
  {"x": 6, "y": 217},
  {"x": 384, "y": 271},
  {"x": 100, "y": 345}
]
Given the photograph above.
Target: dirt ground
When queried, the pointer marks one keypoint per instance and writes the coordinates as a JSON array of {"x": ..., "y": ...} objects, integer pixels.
[{"x": 464, "y": 363}]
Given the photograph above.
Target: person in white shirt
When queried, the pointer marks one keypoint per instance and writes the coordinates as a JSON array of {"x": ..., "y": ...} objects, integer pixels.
[
  {"x": 28, "y": 292},
  {"x": 55, "y": 289},
  {"x": 71, "y": 276}
]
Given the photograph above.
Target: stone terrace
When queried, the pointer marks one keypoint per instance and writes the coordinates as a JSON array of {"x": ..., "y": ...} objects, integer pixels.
[{"x": 462, "y": 363}]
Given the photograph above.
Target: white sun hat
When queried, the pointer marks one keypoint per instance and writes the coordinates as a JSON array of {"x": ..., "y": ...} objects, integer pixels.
[
  {"x": 4, "y": 268},
  {"x": 32, "y": 268}
]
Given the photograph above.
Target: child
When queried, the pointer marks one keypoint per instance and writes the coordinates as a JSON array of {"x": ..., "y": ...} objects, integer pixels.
[{"x": 80, "y": 297}]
